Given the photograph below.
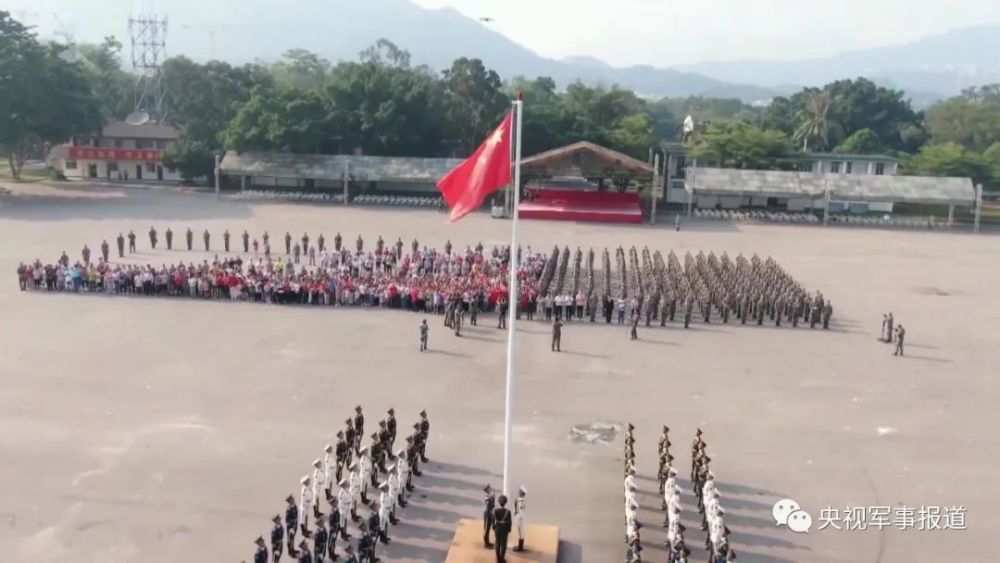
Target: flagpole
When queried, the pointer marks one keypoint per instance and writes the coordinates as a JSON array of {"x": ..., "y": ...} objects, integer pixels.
[{"x": 513, "y": 301}]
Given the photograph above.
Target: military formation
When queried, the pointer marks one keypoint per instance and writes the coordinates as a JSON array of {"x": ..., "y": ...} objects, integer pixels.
[
  {"x": 703, "y": 483},
  {"x": 349, "y": 476}
]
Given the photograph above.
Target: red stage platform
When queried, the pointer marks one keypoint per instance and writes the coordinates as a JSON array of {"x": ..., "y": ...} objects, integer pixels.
[{"x": 580, "y": 205}]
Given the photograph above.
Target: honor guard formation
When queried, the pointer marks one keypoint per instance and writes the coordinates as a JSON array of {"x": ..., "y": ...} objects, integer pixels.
[
  {"x": 563, "y": 286},
  {"x": 703, "y": 484},
  {"x": 349, "y": 476},
  {"x": 499, "y": 519}
]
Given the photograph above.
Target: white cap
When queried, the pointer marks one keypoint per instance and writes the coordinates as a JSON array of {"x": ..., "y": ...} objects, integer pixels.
[
  {"x": 304, "y": 480},
  {"x": 524, "y": 490},
  {"x": 317, "y": 462}
]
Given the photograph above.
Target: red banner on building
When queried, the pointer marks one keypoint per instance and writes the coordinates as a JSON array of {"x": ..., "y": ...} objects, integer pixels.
[{"x": 93, "y": 153}]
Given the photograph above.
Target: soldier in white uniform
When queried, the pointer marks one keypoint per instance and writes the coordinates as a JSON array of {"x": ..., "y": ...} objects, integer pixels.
[
  {"x": 318, "y": 483},
  {"x": 345, "y": 502},
  {"x": 355, "y": 487},
  {"x": 519, "y": 506},
  {"x": 403, "y": 469},
  {"x": 306, "y": 501},
  {"x": 394, "y": 488},
  {"x": 384, "y": 511},
  {"x": 365, "y": 460},
  {"x": 329, "y": 470}
]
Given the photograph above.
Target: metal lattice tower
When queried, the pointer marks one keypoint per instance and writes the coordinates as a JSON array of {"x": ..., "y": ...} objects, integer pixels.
[{"x": 148, "y": 34}]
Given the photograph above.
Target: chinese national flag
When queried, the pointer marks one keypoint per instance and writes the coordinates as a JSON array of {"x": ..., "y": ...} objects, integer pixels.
[{"x": 487, "y": 170}]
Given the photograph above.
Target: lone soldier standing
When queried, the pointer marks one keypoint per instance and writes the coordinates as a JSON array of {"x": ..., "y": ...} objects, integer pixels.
[
  {"x": 266, "y": 238},
  {"x": 131, "y": 242},
  {"x": 246, "y": 242},
  {"x": 557, "y": 336},
  {"x": 321, "y": 242},
  {"x": 225, "y": 239},
  {"x": 399, "y": 248},
  {"x": 296, "y": 252},
  {"x": 415, "y": 246},
  {"x": 305, "y": 242},
  {"x": 489, "y": 505},
  {"x": 501, "y": 528},
  {"x": 502, "y": 307},
  {"x": 360, "y": 244},
  {"x": 424, "y": 329},
  {"x": 104, "y": 249},
  {"x": 447, "y": 247},
  {"x": 207, "y": 237},
  {"x": 337, "y": 240},
  {"x": 121, "y": 246},
  {"x": 288, "y": 243},
  {"x": 170, "y": 239},
  {"x": 519, "y": 517},
  {"x": 277, "y": 539},
  {"x": 827, "y": 313},
  {"x": 189, "y": 235},
  {"x": 86, "y": 254},
  {"x": 634, "y": 322},
  {"x": 152, "y": 237},
  {"x": 900, "y": 334}
]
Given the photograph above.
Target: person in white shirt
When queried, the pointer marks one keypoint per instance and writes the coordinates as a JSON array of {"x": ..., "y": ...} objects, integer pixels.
[
  {"x": 355, "y": 487},
  {"x": 306, "y": 502},
  {"x": 319, "y": 484}
]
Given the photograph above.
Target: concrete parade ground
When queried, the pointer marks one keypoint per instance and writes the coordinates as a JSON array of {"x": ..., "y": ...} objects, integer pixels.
[{"x": 169, "y": 430}]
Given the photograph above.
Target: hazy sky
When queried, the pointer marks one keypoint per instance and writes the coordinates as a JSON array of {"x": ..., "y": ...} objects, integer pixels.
[
  {"x": 623, "y": 32},
  {"x": 667, "y": 32}
]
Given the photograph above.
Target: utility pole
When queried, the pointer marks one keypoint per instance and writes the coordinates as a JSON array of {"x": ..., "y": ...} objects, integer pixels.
[
  {"x": 979, "y": 208},
  {"x": 218, "y": 174},
  {"x": 653, "y": 188}
]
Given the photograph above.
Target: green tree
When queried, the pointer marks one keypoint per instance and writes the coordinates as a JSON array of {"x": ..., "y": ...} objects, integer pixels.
[
  {"x": 971, "y": 120},
  {"x": 384, "y": 107},
  {"x": 949, "y": 159},
  {"x": 780, "y": 116},
  {"x": 633, "y": 135},
  {"x": 284, "y": 120},
  {"x": 193, "y": 159},
  {"x": 204, "y": 98},
  {"x": 814, "y": 124},
  {"x": 739, "y": 144},
  {"x": 861, "y": 104},
  {"x": 545, "y": 120},
  {"x": 45, "y": 98},
  {"x": 864, "y": 141},
  {"x": 474, "y": 101},
  {"x": 301, "y": 69},
  {"x": 102, "y": 65}
]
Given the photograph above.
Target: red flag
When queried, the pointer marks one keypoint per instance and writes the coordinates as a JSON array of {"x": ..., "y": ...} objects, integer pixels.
[{"x": 487, "y": 170}]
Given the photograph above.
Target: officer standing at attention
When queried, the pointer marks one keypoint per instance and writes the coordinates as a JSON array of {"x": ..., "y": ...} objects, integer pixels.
[
  {"x": 170, "y": 239},
  {"x": 291, "y": 523},
  {"x": 152, "y": 238},
  {"x": 321, "y": 242},
  {"x": 104, "y": 249},
  {"x": 288, "y": 243},
  {"x": 85, "y": 254},
  {"x": 519, "y": 517},
  {"x": 900, "y": 334},
  {"x": 489, "y": 505},
  {"x": 501, "y": 528},
  {"x": 304, "y": 555},
  {"x": 337, "y": 240},
  {"x": 424, "y": 329},
  {"x": 121, "y": 246},
  {"x": 131, "y": 242},
  {"x": 261, "y": 555},
  {"x": 557, "y": 336},
  {"x": 827, "y": 313},
  {"x": 502, "y": 305},
  {"x": 359, "y": 428},
  {"x": 225, "y": 239},
  {"x": 320, "y": 539},
  {"x": 305, "y": 242},
  {"x": 634, "y": 322},
  {"x": 206, "y": 238},
  {"x": 246, "y": 241},
  {"x": 190, "y": 238},
  {"x": 277, "y": 539}
]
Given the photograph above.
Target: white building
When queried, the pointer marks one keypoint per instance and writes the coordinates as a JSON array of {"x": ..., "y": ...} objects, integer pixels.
[
  {"x": 834, "y": 163},
  {"x": 121, "y": 152}
]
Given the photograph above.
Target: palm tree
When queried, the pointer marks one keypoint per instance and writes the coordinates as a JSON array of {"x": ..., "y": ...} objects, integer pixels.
[{"x": 813, "y": 122}]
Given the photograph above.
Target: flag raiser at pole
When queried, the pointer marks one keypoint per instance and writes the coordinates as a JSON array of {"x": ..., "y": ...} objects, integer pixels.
[{"x": 487, "y": 170}]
